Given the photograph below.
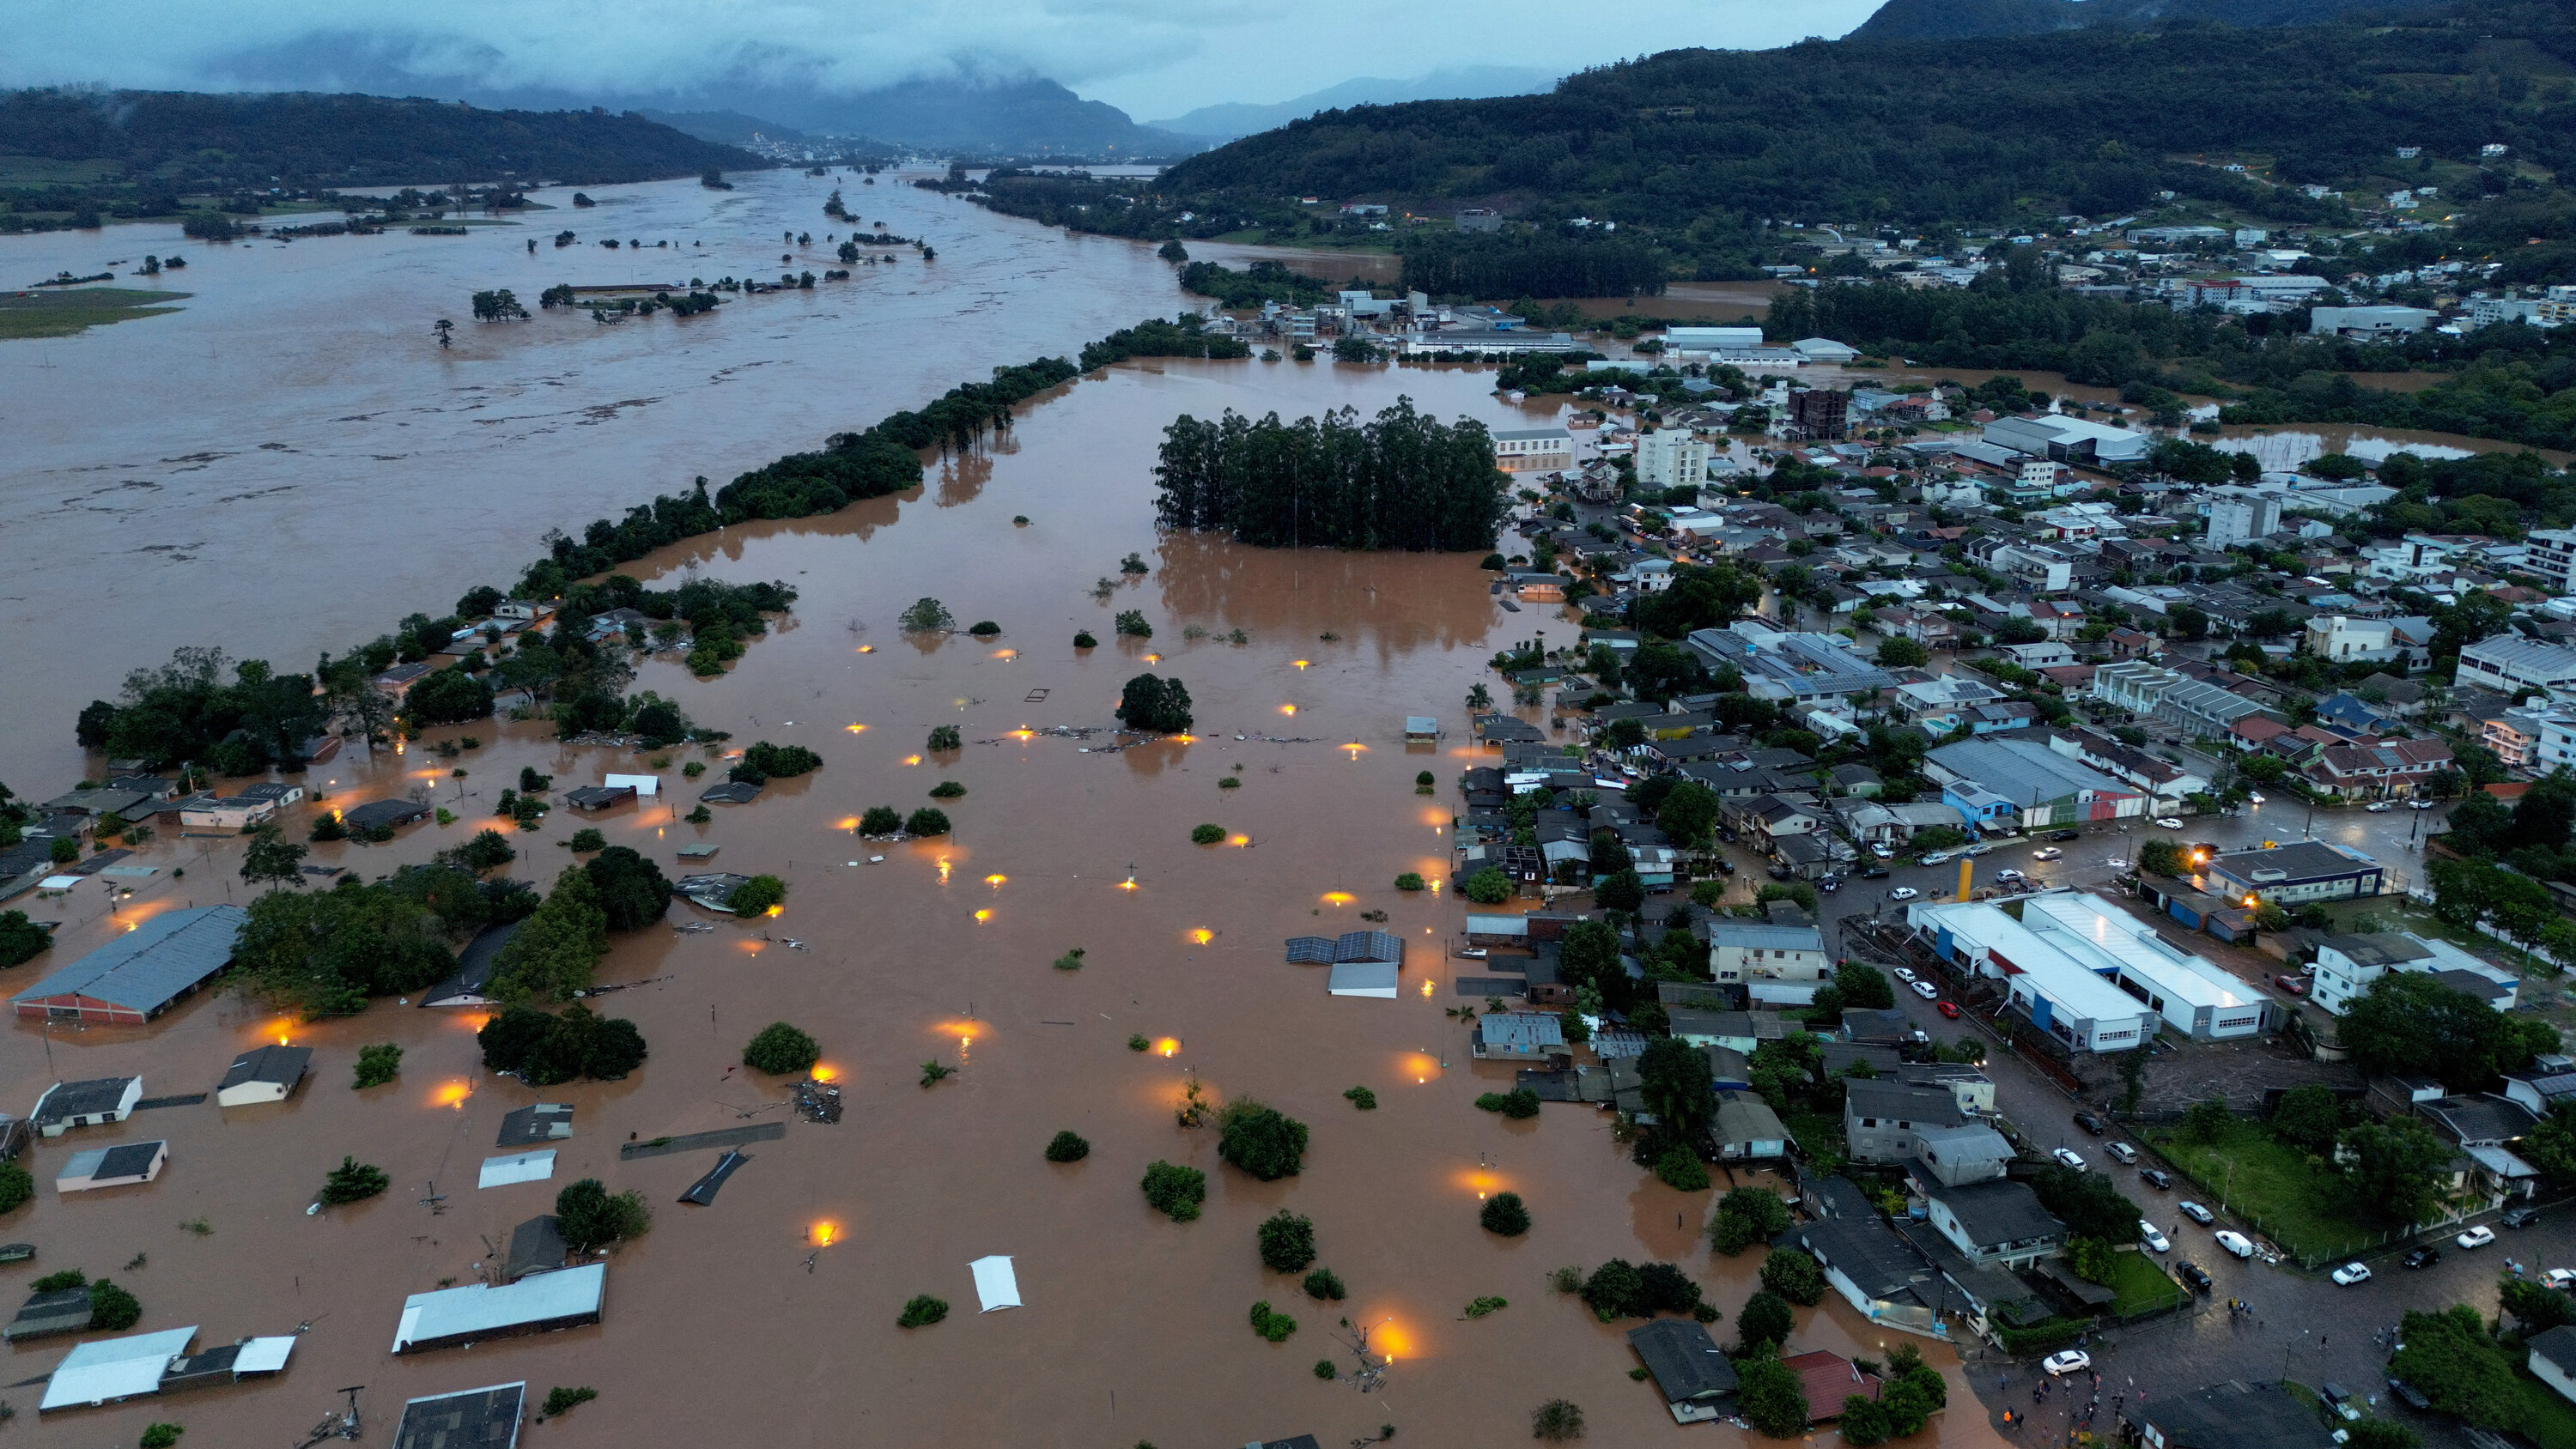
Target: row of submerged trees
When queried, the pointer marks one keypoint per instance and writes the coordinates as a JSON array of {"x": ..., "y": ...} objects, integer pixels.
[{"x": 1400, "y": 481}]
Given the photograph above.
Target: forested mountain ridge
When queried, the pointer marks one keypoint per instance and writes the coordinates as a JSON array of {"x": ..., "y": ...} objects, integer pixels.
[
  {"x": 1699, "y": 143},
  {"x": 303, "y": 139},
  {"x": 1962, "y": 19}
]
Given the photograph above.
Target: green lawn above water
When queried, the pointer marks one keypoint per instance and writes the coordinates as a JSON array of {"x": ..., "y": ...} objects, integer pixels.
[
  {"x": 70, "y": 310},
  {"x": 2297, "y": 1205}
]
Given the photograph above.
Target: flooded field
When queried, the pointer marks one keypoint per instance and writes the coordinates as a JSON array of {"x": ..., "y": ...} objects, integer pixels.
[
  {"x": 289, "y": 462},
  {"x": 769, "y": 1317}
]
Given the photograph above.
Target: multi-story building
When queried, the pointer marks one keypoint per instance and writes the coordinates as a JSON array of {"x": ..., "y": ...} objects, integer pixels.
[
  {"x": 1529, "y": 449},
  {"x": 1671, "y": 458},
  {"x": 2347, "y": 965},
  {"x": 2548, "y": 554},
  {"x": 2243, "y": 519},
  {"x": 1819, "y": 413}
]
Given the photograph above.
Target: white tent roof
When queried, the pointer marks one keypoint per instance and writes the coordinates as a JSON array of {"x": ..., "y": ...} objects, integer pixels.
[
  {"x": 481, "y": 1309},
  {"x": 264, "y": 1355},
  {"x": 1364, "y": 978},
  {"x": 115, "y": 1368},
  {"x": 995, "y": 1283},
  {"x": 517, "y": 1167}
]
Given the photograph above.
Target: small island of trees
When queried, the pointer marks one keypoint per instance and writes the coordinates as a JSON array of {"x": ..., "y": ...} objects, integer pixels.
[{"x": 1401, "y": 481}]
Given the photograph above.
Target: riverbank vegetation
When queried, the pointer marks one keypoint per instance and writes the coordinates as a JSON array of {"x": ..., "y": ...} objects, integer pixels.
[
  {"x": 68, "y": 313},
  {"x": 1400, "y": 481},
  {"x": 188, "y": 710}
]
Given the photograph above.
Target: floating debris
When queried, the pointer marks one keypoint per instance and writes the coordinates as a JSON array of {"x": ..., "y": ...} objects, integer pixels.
[
  {"x": 817, "y": 1101},
  {"x": 692, "y": 928}
]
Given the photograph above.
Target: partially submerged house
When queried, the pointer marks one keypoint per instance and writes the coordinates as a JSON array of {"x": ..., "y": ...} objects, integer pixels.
[
  {"x": 1524, "y": 1036},
  {"x": 123, "y": 1165},
  {"x": 1696, "y": 1380},
  {"x": 384, "y": 815},
  {"x": 536, "y": 1246},
  {"x": 1878, "y": 1271},
  {"x": 63, "y": 1310},
  {"x": 710, "y": 889},
  {"x": 142, "y": 973},
  {"x": 263, "y": 1074},
  {"x": 473, "y": 970},
  {"x": 1830, "y": 1378},
  {"x": 536, "y": 1122},
  {"x": 93, "y": 1103},
  {"x": 598, "y": 797},
  {"x": 111, "y": 1370},
  {"x": 478, "y": 1313}
]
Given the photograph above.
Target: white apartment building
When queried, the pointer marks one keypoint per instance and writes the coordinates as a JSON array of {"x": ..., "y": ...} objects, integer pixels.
[
  {"x": 1671, "y": 458},
  {"x": 2347, "y": 965},
  {"x": 2548, "y": 554},
  {"x": 2509, "y": 662},
  {"x": 2243, "y": 519},
  {"x": 2340, "y": 640},
  {"x": 1526, "y": 450}
]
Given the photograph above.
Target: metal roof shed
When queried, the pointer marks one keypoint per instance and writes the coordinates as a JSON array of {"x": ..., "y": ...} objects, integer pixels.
[
  {"x": 142, "y": 973},
  {"x": 1363, "y": 978},
  {"x": 93, "y": 1103},
  {"x": 120, "y": 1166},
  {"x": 541, "y": 1304},
  {"x": 473, "y": 970},
  {"x": 111, "y": 1369}
]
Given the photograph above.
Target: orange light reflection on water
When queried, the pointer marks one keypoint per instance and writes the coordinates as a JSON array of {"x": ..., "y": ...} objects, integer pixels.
[
  {"x": 452, "y": 1094},
  {"x": 1338, "y": 898},
  {"x": 1168, "y": 1046},
  {"x": 1202, "y": 935}
]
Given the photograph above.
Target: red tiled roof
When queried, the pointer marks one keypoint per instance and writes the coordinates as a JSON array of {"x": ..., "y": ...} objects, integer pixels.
[
  {"x": 1830, "y": 1378},
  {"x": 2507, "y": 790}
]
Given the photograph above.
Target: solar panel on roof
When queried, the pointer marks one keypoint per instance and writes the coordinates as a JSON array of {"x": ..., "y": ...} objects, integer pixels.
[{"x": 1310, "y": 951}]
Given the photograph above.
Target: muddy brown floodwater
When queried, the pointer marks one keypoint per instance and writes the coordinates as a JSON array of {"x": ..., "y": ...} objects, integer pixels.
[{"x": 769, "y": 1317}]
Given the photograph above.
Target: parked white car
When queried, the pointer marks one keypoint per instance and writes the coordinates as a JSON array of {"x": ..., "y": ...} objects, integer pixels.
[
  {"x": 2153, "y": 1237},
  {"x": 2195, "y": 1212},
  {"x": 1904, "y": 973},
  {"x": 2169, "y": 822},
  {"x": 2561, "y": 1279},
  {"x": 1903, "y": 893},
  {"x": 2350, "y": 1274},
  {"x": 1925, "y": 989},
  {"x": 2121, "y": 1150},
  {"x": 2067, "y": 1361},
  {"x": 2477, "y": 1237},
  {"x": 2254, "y": 796},
  {"x": 2046, "y": 852},
  {"x": 2236, "y": 1243},
  {"x": 2070, "y": 1157},
  {"x": 2378, "y": 807},
  {"x": 2419, "y": 804},
  {"x": 1885, "y": 851}
]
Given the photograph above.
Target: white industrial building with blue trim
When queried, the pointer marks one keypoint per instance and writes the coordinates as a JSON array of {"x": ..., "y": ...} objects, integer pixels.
[{"x": 2092, "y": 976}]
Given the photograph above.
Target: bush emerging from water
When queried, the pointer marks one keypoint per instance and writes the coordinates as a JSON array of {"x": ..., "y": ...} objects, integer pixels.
[
  {"x": 17, "y": 1185},
  {"x": 1409, "y": 881},
  {"x": 1557, "y": 1420},
  {"x": 1132, "y": 625},
  {"x": 1138, "y": 1043},
  {"x": 928, "y": 614},
  {"x": 927, "y": 821},
  {"x": 1680, "y": 1168},
  {"x": 1362, "y": 1098},
  {"x": 1324, "y": 1369},
  {"x": 1260, "y": 1140},
  {"x": 1206, "y": 834},
  {"x": 1174, "y": 1190},
  {"x": 757, "y": 895},
  {"x": 780, "y": 1048},
  {"x": 1273, "y": 1326},
  {"x": 1287, "y": 1241},
  {"x": 1505, "y": 1215},
  {"x": 586, "y": 840},
  {"x": 1489, "y": 887},
  {"x": 161, "y": 1436},
  {"x": 590, "y": 1217},
  {"x": 946, "y": 790},
  {"x": 1794, "y": 1276},
  {"x": 922, "y": 1310},
  {"x": 945, "y": 737},
  {"x": 377, "y": 1065},
  {"x": 984, "y": 629},
  {"x": 561, "y": 1400},
  {"x": 353, "y": 1181},
  {"x": 1068, "y": 1146},
  {"x": 1519, "y": 1104},
  {"x": 1070, "y": 960},
  {"x": 1229, "y": 783},
  {"x": 1324, "y": 1285},
  {"x": 881, "y": 820},
  {"x": 1082, "y": 640}
]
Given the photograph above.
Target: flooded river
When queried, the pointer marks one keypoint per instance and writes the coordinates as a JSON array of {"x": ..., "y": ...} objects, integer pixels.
[{"x": 769, "y": 1317}]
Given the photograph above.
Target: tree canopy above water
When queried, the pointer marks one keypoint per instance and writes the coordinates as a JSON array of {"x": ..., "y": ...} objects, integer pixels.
[{"x": 1400, "y": 481}]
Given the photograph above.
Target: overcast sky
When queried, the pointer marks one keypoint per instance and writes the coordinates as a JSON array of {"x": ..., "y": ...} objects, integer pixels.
[{"x": 1152, "y": 58}]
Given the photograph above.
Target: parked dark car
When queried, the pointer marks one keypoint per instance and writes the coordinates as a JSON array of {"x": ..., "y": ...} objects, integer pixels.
[
  {"x": 2411, "y": 1396},
  {"x": 1875, "y": 872},
  {"x": 1829, "y": 883},
  {"x": 2156, "y": 1178},
  {"x": 1725, "y": 866},
  {"x": 2193, "y": 1274},
  {"x": 2424, "y": 1257},
  {"x": 2066, "y": 835},
  {"x": 2521, "y": 1217},
  {"x": 2089, "y": 1123},
  {"x": 1781, "y": 872}
]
